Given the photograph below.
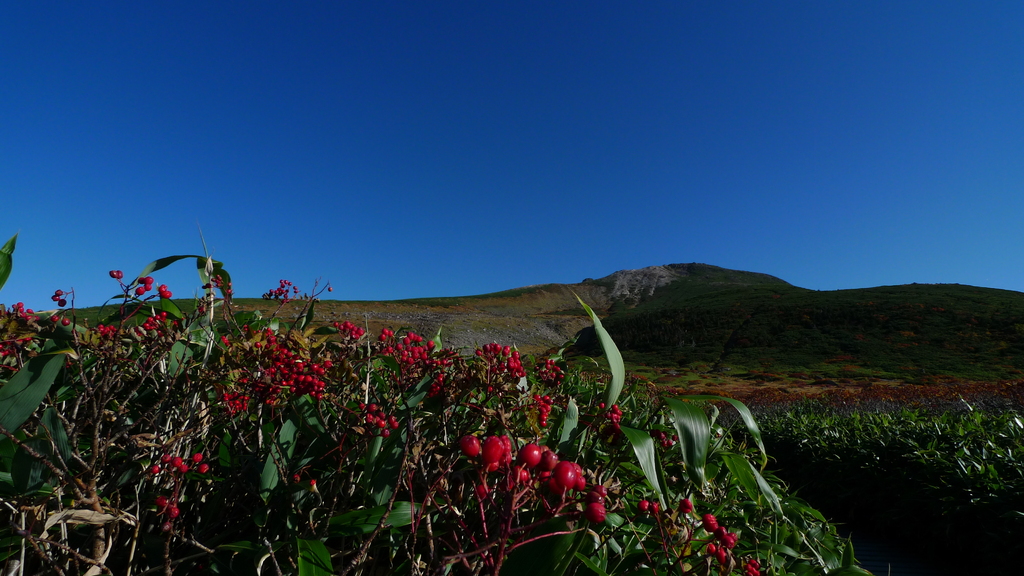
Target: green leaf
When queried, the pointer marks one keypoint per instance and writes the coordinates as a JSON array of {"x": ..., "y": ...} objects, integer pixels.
[
  {"x": 740, "y": 470},
  {"x": 745, "y": 415},
  {"x": 7, "y": 260},
  {"x": 25, "y": 391},
  {"x": 548, "y": 555},
  {"x": 611, "y": 352},
  {"x": 643, "y": 447},
  {"x": 365, "y": 520},
  {"x": 314, "y": 559},
  {"x": 570, "y": 422},
  {"x": 166, "y": 305},
  {"x": 848, "y": 558},
  {"x": 54, "y": 428},
  {"x": 29, "y": 473},
  {"x": 180, "y": 353},
  {"x": 437, "y": 340},
  {"x": 280, "y": 452},
  {"x": 849, "y": 571},
  {"x": 752, "y": 481},
  {"x": 418, "y": 392},
  {"x": 694, "y": 433},
  {"x": 163, "y": 263},
  {"x": 590, "y": 564},
  {"x": 306, "y": 320}
]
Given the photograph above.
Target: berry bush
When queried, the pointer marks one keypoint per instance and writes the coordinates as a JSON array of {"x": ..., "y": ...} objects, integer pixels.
[{"x": 224, "y": 442}]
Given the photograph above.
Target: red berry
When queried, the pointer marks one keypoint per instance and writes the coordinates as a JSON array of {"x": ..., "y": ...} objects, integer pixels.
[
  {"x": 165, "y": 527},
  {"x": 176, "y": 461},
  {"x": 685, "y": 507},
  {"x": 529, "y": 455},
  {"x": 470, "y": 446},
  {"x": 709, "y": 522},
  {"x": 203, "y": 468},
  {"x": 197, "y": 457},
  {"x": 493, "y": 450},
  {"x": 140, "y": 291},
  {"x": 154, "y": 469},
  {"x": 555, "y": 486},
  {"x": 166, "y": 458},
  {"x": 65, "y": 322},
  {"x": 173, "y": 511},
  {"x": 548, "y": 460},
  {"x": 161, "y": 502},
  {"x": 595, "y": 512},
  {"x": 644, "y": 505},
  {"x": 183, "y": 468},
  {"x": 481, "y": 491},
  {"x": 565, "y": 474},
  {"x": 116, "y": 274}
]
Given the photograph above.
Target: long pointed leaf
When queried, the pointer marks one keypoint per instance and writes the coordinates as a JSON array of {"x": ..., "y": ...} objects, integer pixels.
[
  {"x": 694, "y": 432},
  {"x": 23, "y": 393},
  {"x": 611, "y": 352},
  {"x": 745, "y": 415},
  {"x": 55, "y": 430},
  {"x": 314, "y": 559},
  {"x": 569, "y": 429},
  {"x": 7, "y": 259},
  {"x": 164, "y": 263},
  {"x": 643, "y": 447}
]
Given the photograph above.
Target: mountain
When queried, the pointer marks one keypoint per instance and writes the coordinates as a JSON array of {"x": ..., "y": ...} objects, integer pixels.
[{"x": 703, "y": 319}]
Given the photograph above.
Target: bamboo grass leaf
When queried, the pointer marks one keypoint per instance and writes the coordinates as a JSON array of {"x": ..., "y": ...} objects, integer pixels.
[
  {"x": 611, "y": 352},
  {"x": 745, "y": 415},
  {"x": 643, "y": 447},
  {"x": 694, "y": 433},
  {"x": 7, "y": 259}
]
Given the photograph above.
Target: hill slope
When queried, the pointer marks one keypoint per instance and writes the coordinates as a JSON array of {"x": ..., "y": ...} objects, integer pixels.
[{"x": 705, "y": 318}]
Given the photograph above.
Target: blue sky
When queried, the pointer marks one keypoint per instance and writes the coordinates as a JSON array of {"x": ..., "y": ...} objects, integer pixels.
[{"x": 413, "y": 149}]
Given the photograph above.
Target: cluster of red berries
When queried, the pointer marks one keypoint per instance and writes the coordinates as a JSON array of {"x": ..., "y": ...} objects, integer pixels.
[
  {"x": 349, "y": 330},
  {"x": 410, "y": 350},
  {"x": 664, "y": 439},
  {"x": 178, "y": 465},
  {"x": 651, "y": 507},
  {"x": 58, "y": 297},
  {"x": 726, "y": 540},
  {"x": 168, "y": 507},
  {"x": 20, "y": 311},
  {"x": 235, "y": 402},
  {"x": 502, "y": 359},
  {"x": 106, "y": 331},
  {"x": 550, "y": 373},
  {"x": 283, "y": 369},
  {"x": 283, "y": 292},
  {"x": 752, "y": 568},
  {"x": 543, "y": 404},
  {"x": 63, "y": 321},
  {"x": 155, "y": 323},
  {"x": 116, "y": 275},
  {"x": 495, "y": 452},
  {"x": 218, "y": 282},
  {"x": 595, "y": 511},
  {"x": 614, "y": 417},
  {"x": 379, "y": 423},
  {"x": 385, "y": 334}
]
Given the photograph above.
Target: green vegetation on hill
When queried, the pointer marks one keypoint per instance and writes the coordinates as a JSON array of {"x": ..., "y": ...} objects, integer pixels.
[
  {"x": 914, "y": 332},
  {"x": 707, "y": 318}
]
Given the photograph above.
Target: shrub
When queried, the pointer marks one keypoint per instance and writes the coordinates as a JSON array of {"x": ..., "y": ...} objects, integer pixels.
[{"x": 219, "y": 442}]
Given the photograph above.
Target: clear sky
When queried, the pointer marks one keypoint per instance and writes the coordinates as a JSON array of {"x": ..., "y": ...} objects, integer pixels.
[{"x": 414, "y": 149}]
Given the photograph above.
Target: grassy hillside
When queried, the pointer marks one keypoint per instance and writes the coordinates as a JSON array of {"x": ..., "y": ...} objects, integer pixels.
[
  {"x": 700, "y": 319},
  {"x": 913, "y": 332}
]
